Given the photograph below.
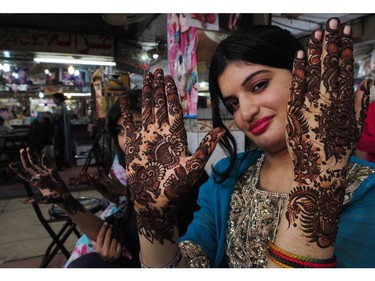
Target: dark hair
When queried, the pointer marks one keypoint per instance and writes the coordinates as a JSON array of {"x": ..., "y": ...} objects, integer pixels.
[
  {"x": 261, "y": 44},
  {"x": 125, "y": 225},
  {"x": 59, "y": 96}
]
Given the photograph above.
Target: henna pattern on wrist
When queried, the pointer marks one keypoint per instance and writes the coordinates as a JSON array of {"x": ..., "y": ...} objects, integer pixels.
[
  {"x": 155, "y": 224},
  {"x": 317, "y": 209}
]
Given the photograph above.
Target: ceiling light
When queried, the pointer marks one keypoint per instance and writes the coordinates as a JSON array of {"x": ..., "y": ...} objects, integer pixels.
[
  {"x": 74, "y": 61},
  {"x": 6, "y": 67},
  {"x": 71, "y": 69},
  {"x": 69, "y": 95}
]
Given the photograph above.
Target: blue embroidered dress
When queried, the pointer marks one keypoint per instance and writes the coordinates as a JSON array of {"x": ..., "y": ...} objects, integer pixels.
[{"x": 226, "y": 233}]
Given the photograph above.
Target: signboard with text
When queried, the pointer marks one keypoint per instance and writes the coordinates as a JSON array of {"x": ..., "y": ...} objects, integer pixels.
[{"x": 20, "y": 39}]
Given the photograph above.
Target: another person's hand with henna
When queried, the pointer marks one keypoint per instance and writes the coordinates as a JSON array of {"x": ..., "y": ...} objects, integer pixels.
[
  {"x": 53, "y": 189},
  {"x": 109, "y": 186}
]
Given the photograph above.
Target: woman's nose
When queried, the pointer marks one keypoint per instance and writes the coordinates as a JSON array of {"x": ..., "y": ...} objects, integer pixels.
[{"x": 247, "y": 109}]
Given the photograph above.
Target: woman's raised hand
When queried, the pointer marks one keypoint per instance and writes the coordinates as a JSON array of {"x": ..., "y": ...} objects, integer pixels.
[
  {"x": 47, "y": 180},
  {"x": 159, "y": 168},
  {"x": 325, "y": 119}
]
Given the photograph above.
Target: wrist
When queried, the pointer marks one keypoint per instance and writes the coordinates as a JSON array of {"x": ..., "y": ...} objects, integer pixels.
[
  {"x": 158, "y": 224},
  {"x": 71, "y": 205}
]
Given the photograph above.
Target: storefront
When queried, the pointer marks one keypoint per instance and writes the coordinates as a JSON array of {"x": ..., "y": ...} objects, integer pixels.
[{"x": 31, "y": 68}]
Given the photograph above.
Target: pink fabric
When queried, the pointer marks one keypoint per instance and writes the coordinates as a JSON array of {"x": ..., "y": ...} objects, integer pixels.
[
  {"x": 84, "y": 245},
  {"x": 367, "y": 140}
]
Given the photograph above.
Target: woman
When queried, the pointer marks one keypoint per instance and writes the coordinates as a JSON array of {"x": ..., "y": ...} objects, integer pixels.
[
  {"x": 111, "y": 240},
  {"x": 280, "y": 204},
  {"x": 103, "y": 236},
  {"x": 105, "y": 251}
]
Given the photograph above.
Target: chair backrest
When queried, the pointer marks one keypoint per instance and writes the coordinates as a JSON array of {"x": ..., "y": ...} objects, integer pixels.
[
  {"x": 58, "y": 237},
  {"x": 37, "y": 209}
]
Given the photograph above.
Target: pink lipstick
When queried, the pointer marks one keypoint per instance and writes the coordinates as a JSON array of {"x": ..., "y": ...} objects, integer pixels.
[{"x": 260, "y": 126}]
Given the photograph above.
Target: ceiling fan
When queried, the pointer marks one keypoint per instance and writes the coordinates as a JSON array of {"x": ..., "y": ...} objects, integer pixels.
[{"x": 126, "y": 19}]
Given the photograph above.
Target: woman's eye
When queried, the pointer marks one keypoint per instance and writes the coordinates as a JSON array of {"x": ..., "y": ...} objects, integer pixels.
[
  {"x": 120, "y": 131},
  {"x": 232, "y": 104},
  {"x": 259, "y": 86}
]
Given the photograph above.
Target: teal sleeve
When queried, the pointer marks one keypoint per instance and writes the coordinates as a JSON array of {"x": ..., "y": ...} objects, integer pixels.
[{"x": 355, "y": 243}]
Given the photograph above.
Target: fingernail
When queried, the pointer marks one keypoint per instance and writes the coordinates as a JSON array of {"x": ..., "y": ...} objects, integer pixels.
[
  {"x": 318, "y": 34},
  {"x": 333, "y": 23},
  {"x": 299, "y": 54},
  {"x": 347, "y": 29}
]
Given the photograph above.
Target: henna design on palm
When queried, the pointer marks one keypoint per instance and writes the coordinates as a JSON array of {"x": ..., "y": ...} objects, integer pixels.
[
  {"x": 159, "y": 168},
  {"x": 47, "y": 180},
  {"x": 323, "y": 126}
]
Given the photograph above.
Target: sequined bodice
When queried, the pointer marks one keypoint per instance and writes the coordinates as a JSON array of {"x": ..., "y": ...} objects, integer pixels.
[
  {"x": 253, "y": 220},
  {"x": 255, "y": 215}
]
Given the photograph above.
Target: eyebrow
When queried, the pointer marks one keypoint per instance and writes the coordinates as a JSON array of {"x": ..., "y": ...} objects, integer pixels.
[{"x": 252, "y": 75}]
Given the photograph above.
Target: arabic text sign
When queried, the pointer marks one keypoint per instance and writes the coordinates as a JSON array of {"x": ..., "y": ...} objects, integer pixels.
[{"x": 19, "y": 39}]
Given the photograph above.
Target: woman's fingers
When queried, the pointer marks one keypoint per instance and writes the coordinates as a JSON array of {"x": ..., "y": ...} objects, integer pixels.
[
  {"x": 175, "y": 115},
  {"x": 147, "y": 100},
  {"x": 33, "y": 163},
  {"x": 118, "y": 251},
  {"x": 44, "y": 163},
  {"x": 361, "y": 100},
  {"x": 313, "y": 68},
  {"x": 114, "y": 250},
  {"x": 106, "y": 246},
  {"x": 207, "y": 146},
  {"x": 298, "y": 88},
  {"x": 107, "y": 241},
  {"x": 101, "y": 235},
  {"x": 160, "y": 100},
  {"x": 330, "y": 60},
  {"x": 20, "y": 171},
  {"x": 127, "y": 115},
  {"x": 346, "y": 62},
  {"x": 25, "y": 162}
]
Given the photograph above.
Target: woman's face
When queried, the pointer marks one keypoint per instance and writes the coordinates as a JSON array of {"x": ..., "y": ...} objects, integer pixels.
[
  {"x": 258, "y": 96},
  {"x": 183, "y": 22},
  {"x": 120, "y": 129}
]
